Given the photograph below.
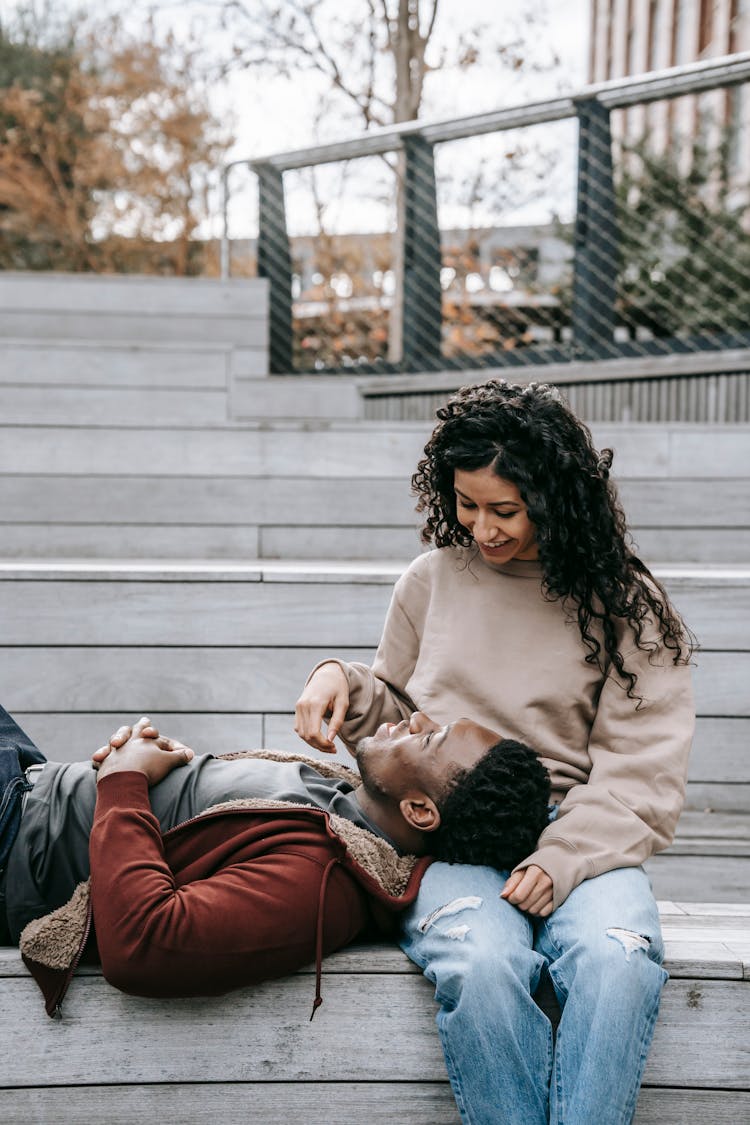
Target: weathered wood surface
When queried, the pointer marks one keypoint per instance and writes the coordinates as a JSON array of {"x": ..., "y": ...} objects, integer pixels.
[
  {"x": 168, "y": 678},
  {"x": 699, "y": 1042},
  {"x": 700, "y": 1038},
  {"x": 285, "y": 501},
  {"x": 239, "y": 490},
  {"x": 139, "y": 610},
  {"x": 279, "y": 1103},
  {"x": 103, "y": 364},
  {"x": 133, "y": 540},
  {"x": 201, "y": 326},
  {"x": 631, "y": 367},
  {"x": 78, "y": 307},
  {"x": 725, "y": 878},
  {"x": 32, "y": 291},
  {"x": 361, "y": 449},
  {"x": 282, "y": 397}
]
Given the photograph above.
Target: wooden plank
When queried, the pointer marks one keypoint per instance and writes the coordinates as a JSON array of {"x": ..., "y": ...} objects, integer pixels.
[
  {"x": 322, "y": 541},
  {"x": 65, "y": 737},
  {"x": 280, "y": 397},
  {"x": 323, "y": 572},
  {"x": 718, "y": 614},
  {"x": 692, "y": 877},
  {"x": 249, "y": 362},
  {"x": 163, "y": 449},
  {"x": 730, "y": 831},
  {"x": 239, "y": 612},
  {"x": 70, "y": 736},
  {"x": 721, "y": 750},
  {"x": 279, "y": 1103},
  {"x": 677, "y": 1107},
  {"x": 134, "y": 539},
  {"x": 196, "y": 500},
  {"x": 136, "y": 294},
  {"x": 122, "y": 326},
  {"x": 71, "y": 678},
  {"x": 721, "y": 684},
  {"x": 99, "y": 365},
  {"x": 127, "y": 541},
  {"x": 631, "y": 367},
  {"x": 729, "y": 451},
  {"x": 679, "y": 503},
  {"x": 701, "y": 1032},
  {"x": 719, "y": 545},
  {"x": 362, "y": 449},
  {"x": 191, "y": 489},
  {"x": 729, "y": 797},
  {"x": 272, "y": 1103},
  {"x": 103, "y": 406},
  {"x": 160, "y": 679},
  {"x": 689, "y": 950},
  {"x": 188, "y": 613},
  {"x": 720, "y": 910}
]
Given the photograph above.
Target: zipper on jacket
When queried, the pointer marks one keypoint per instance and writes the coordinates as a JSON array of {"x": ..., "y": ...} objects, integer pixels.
[{"x": 59, "y": 996}]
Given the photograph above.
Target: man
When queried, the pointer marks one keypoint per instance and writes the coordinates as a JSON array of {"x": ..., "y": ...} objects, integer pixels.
[{"x": 208, "y": 874}]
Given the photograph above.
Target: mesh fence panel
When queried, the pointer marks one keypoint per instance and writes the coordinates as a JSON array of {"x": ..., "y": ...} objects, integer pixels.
[{"x": 622, "y": 234}]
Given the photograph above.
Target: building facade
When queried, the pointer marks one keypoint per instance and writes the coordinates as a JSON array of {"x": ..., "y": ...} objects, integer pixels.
[{"x": 631, "y": 37}]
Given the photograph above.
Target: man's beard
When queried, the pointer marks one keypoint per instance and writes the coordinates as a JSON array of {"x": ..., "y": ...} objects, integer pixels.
[{"x": 362, "y": 753}]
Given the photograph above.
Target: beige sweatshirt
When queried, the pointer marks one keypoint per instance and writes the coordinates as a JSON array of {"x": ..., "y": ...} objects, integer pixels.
[{"x": 463, "y": 639}]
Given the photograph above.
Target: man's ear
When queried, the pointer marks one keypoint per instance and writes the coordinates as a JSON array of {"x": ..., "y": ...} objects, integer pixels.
[{"x": 420, "y": 811}]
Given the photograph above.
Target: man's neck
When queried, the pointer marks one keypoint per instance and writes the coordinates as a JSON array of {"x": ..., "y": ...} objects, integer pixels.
[{"x": 389, "y": 820}]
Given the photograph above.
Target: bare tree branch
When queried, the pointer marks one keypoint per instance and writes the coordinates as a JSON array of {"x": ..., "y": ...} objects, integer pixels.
[
  {"x": 387, "y": 22},
  {"x": 431, "y": 26}
]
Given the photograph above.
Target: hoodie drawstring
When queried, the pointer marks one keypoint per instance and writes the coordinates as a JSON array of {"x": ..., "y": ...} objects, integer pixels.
[{"x": 319, "y": 934}]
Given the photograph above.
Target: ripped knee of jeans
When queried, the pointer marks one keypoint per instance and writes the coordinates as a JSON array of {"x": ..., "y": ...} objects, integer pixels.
[
  {"x": 456, "y": 906},
  {"x": 629, "y": 940}
]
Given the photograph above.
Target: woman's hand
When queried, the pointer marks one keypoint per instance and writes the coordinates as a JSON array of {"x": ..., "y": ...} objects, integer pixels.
[
  {"x": 326, "y": 696},
  {"x": 144, "y": 751},
  {"x": 530, "y": 889}
]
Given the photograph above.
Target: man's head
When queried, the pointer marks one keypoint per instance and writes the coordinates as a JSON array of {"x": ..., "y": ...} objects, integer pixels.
[{"x": 460, "y": 792}]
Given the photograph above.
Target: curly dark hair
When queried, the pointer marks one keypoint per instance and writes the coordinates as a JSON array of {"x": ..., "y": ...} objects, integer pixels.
[
  {"x": 494, "y": 812},
  {"x": 531, "y": 437}
]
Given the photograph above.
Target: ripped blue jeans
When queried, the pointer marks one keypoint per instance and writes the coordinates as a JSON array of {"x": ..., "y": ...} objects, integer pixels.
[{"x": 602, "y": 949}]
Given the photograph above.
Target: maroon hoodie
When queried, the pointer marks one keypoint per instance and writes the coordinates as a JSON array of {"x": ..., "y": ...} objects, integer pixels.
[{"x": 245, "y": 892}]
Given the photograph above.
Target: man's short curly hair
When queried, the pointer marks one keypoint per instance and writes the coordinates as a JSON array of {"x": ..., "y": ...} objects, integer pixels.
[{"x": 494, "y": 812}]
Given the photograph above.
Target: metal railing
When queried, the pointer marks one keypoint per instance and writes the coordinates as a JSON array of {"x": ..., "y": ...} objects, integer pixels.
[{"x": 631, "y": 281}]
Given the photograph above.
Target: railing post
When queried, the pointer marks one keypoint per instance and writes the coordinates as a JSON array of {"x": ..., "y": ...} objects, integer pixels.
[
  {"x": 225, "y": 253},
  {"x": 596, "y": 237},
  {"x": 275, "y": 263},
  {"x": 422, "y": 295}
]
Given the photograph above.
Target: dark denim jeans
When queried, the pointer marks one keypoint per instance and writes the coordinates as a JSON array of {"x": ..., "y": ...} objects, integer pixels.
[{"x": 17, "y": 753}]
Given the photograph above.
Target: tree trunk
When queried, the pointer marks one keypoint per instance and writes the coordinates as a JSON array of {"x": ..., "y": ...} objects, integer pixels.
[{"x": 409, "y": 48}]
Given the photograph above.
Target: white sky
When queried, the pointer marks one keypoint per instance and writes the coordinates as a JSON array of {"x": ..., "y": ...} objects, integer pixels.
[{"x": 274, "y": 114}]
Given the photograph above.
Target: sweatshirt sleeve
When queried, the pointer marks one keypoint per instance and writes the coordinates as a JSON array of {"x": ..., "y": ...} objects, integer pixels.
[
  {"x": 378, "y": 694},
  {"x": 247, "y": 921},
  {"x": 629, "y": 807}
]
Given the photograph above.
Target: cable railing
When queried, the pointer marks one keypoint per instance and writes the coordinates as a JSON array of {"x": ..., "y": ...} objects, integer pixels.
[{"x": 645, "y": 251}]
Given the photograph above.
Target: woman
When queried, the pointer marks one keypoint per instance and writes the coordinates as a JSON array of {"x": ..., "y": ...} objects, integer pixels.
[{"x": 534, "y": 617}]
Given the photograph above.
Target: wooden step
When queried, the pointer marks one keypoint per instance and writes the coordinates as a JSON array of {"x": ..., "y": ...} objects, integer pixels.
[
  {"x": 218, "y": 655},
  {"x": 188, "y": 1060},
  {"x": 133, "y": 308},
  {"x": 313, "y": 490}
]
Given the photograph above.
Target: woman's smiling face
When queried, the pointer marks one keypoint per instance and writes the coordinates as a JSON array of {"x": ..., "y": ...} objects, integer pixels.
[{"x": 492, "y": 511}]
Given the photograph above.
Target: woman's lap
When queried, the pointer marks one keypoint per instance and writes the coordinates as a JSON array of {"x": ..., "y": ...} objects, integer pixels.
[{"x": 602, "y": 949}]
